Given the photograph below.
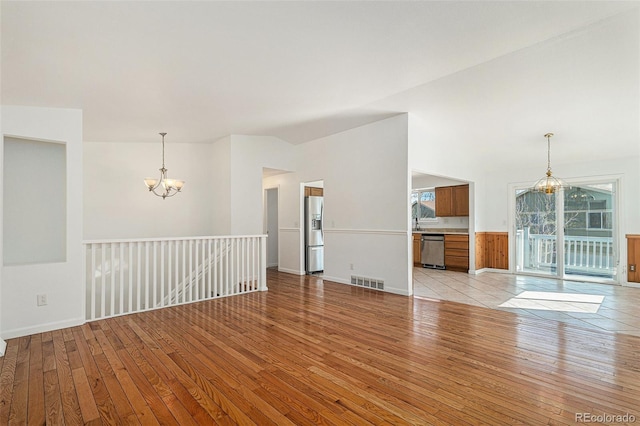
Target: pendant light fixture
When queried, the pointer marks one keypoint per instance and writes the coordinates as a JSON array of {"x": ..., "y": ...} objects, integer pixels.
[
  {"x": 579, "y": 195},
  {"x": 164, "y": 187},
  {"x": 549, "y": 184}
]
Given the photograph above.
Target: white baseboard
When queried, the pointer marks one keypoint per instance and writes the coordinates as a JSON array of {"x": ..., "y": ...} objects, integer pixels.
[
  {"x": 336, "y": 279},
  {"x": 480, "y": 271},
  {"x": 3, "y": 347},
  {"x": 290, "y": 271},
  {"x": 41, "y": 328},
  {"x": 272, "y": 265}
]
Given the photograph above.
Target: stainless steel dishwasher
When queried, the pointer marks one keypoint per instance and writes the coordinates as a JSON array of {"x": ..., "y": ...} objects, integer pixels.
[{"x": 432, "y": 251}]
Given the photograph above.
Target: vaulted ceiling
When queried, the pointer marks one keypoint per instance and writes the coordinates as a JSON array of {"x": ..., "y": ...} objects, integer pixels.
[{"x": 301, "y": 70}]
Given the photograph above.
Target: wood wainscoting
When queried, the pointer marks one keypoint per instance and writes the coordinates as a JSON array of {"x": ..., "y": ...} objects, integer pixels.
[
  {"x": 633, "y": 258},
  {"x": 492, "y": 250}
]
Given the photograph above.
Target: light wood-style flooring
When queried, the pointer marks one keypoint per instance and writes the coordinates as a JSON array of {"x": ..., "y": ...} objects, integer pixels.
[{"x": 314, "y": 352}]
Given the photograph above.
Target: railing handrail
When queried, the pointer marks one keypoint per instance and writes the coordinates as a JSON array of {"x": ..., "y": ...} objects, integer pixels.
[
  {"x": 149, "y": 240},
  {"x": 568, "y": 237}
]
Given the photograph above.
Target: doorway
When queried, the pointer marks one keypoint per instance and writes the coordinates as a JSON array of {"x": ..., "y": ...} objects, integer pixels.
[
  {"x": 271, "y": 226},
  {"x": 313, "y": 227},
  {"x": 569, "y": 234}
]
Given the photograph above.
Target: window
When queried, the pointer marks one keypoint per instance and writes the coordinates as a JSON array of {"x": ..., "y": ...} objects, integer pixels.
[
  {"x": 423, "y": 204},
  {"x": 600, "y": 220}
]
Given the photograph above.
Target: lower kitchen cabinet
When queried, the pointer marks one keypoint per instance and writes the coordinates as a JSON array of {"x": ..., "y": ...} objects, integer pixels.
[
  {"x": 416, "y": 250},
  {"x": 456, "y": 252}
]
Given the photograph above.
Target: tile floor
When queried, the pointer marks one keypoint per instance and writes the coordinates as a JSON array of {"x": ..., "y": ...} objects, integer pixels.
[{"x": 619, "y": 311}]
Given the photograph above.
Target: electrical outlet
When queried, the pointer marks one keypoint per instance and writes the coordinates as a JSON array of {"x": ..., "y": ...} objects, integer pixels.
[
  {"x": 42, "y": 299},
  {"x": 632, "y": 268},
  {"x": 351, "y": 266}
]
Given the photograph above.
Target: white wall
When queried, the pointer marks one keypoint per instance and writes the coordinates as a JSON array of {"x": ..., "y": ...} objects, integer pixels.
[
  {"x": 366, "y": 186},
  {"x": 221, "y": 186},
  {"x": 3, "y": 344},
  {"x": 62, "y": 282},
  {"x": 35, "y": 220},
  {"x": 118, "y": 205},
  {"x": 431, "y": 181},
  {"x": 249, "y": 155}
]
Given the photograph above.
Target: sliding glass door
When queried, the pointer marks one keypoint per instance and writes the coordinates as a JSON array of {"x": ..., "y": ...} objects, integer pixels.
[
  {"x": 567, "y": 234},
  {"x": 589, "y": 238},
  {"x": 536, "y": 232}
]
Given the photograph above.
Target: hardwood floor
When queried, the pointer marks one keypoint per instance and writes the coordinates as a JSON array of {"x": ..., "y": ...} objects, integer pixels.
[{"x": 314, "y": 352}]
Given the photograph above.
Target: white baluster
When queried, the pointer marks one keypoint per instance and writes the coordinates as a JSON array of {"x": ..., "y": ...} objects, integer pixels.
[
  {"x": 138, "y": 275},
  {"x": 162, "y": 248},
  {"x": 154, "y": 285},
  {"x": 146, "y": 275},
  {"x": 263, "y": 263},
  {"x": 112, "y": 286},
  {"x": 176, "y": 290},
  {"x": 169, "y": 270},
  {"x": 130, "y": 250},
  {"x": 209, "y": 267},
  {"x": 242, "y": 285},
  {"x": 184, "y": 270},
  {"x": 218, "y": 258},
  {"x": 93, "y": 281},
  {"x": 229, "y": 266}
]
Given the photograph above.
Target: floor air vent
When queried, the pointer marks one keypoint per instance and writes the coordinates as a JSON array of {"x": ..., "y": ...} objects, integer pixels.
[{"x": 367, "y": 282}]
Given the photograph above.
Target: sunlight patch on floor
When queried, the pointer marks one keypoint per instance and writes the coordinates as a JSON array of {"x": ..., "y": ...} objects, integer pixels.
[{"x": 549, "y": 301}]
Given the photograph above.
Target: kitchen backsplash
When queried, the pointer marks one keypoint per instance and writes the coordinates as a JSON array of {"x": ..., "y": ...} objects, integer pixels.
[{"x": 446, "y": 223}]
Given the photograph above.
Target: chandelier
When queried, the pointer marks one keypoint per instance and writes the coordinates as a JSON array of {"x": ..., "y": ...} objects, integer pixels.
[
  {"x": 580, "y": 196},
  {"x": 549, "y": 184},
  {"x": 164, "y": 187}
]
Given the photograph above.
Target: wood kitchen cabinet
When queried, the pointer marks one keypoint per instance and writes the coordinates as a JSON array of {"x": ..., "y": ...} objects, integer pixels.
[
  {"x": 456, "y": 252},
  {"x": 452, "y": 201},
  {"x": 310, "y": 191},
  {"x": 417, "y": 254}
]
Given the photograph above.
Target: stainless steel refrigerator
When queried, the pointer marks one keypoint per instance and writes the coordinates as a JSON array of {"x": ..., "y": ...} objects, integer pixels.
[{"x": 314, "y": 235}]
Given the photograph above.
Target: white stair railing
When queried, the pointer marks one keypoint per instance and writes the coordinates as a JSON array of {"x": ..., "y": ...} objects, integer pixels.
[{"x": 127, "y": 276}]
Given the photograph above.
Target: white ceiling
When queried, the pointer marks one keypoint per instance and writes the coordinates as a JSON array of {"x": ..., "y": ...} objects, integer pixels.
[{"x": 295, "y": 70}]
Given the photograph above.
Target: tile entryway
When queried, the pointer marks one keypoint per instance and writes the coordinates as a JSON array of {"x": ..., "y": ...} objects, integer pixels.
[{"x": 618, "y": 312}]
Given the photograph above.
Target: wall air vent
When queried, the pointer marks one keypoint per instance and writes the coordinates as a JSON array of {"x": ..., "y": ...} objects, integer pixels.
[{"x": 374, "y": 283}]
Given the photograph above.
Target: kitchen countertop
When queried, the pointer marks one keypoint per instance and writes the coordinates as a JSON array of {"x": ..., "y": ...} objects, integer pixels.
[{"x": 450, "y": 231}]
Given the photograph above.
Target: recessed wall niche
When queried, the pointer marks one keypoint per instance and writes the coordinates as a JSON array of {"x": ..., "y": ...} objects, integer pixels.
[{"x": 34, "y": 202}]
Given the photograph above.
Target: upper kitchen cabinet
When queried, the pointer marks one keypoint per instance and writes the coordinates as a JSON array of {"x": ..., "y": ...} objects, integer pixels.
[
  {"x": 452, "y": 201},
  {"x": 310, "y": 191}
]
